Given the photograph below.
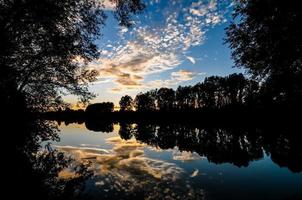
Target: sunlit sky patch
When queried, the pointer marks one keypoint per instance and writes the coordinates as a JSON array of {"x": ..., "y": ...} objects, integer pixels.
[{"x": 173, "y": 42}]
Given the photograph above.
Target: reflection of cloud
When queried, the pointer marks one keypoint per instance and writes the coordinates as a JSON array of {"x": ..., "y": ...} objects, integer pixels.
[
  {"x": 162, "y": 46},
  {"x": 185, "y": 155},
  {"x": 126, "y": 169},
  {"x": 126, "y": 157},
  {"x": 83, "y": 152},
  {"x": 195, "y": 173}
]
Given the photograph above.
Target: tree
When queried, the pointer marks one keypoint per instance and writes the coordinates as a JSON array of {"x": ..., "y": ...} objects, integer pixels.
[
  {"x": 100, "y": 107},
  {"x": 126, "y": 103},
  {"x": 185, "y": 98},
  {"x": 212, "y": 91},
  {"x": 165, "y": 99},
  {"x": 45, "y": 46},
  {"x": 251, "y": 93},
  {"x": 145, "y": 101},
  {"x": 234, "y": 88},
  {"x": 265, "y": 38}
]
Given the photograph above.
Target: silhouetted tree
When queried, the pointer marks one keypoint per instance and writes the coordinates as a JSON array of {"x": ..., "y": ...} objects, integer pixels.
[
  {"x": 165, "y": 99},
  {"x": 215, "y": 92},
  {"x": 100, "y": 107},
  {"x": 185, "y": 98},
  {"x": 45, "y": 46},
  {"x": 126, "y": 103},
  {"x": 265, "y": 38},
  {"x": 234, "y": 88},
  {"x": 251, "y": 93},
  {"x": 212, "y": 91},
  {"x": 145, "y": 101}
]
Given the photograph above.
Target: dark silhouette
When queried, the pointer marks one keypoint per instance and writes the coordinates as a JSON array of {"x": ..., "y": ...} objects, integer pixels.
[
  {"x": 99, "y": 125},
  {"x": 126, "y": 130},
  {"x": 214, "y": 93},
  {"x": 145, "y": 101},
  {"x": 265, "y": 39},
  {"x": 126, "y": 103},
  {"x": 165, "y": 98},
  {"x": 99, "y": 108},
  {"x": 184, "y": 97}
]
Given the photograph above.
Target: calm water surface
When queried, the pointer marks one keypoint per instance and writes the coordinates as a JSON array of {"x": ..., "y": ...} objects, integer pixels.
[{"x": 143, "y": 161}]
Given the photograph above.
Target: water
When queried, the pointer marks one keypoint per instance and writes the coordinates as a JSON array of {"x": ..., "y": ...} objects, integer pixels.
[{"x": 172, "y": 161}]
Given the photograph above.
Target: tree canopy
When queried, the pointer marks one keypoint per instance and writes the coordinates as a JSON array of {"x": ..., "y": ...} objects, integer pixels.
[
  {"x": 213, "y": 93},
  {"x": 46, "y": 44},
  {"x": 265, "y": 39},
  {"x": 126, "y": 103}
]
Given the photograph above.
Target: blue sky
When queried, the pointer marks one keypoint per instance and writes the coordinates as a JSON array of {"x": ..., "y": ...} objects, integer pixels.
[{"x": 173, "y": 42}]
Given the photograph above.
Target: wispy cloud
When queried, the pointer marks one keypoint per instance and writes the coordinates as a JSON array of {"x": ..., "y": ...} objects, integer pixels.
[
  {"x": 191, "y": 59},
  {"x": 108, "y": 5}
]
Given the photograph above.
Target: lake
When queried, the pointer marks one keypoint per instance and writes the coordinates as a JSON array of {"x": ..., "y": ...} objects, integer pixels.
[{"x": 176, "y": 161}]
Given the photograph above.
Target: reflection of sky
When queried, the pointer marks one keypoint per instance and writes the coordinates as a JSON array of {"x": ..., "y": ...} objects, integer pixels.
[
  {"x": 127, "y": 163},
  {"x": 173, "y": 42}
]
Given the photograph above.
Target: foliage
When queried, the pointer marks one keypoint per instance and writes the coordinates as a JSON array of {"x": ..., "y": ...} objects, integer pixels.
[
  {"x": 100, "y": 107},
  {"x": 265, "y": 39},
  {"x": 214, "y": 92},
  {"x": 126, "y": 103},
  {"x": 145, "y": 101},
  {"x": 45, "y": 46}
]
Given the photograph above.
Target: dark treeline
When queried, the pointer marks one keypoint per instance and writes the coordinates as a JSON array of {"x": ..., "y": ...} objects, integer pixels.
[
  {"x": 214, "y": 93},
  {"x": 238, "y": 146},
  {"x": 224, "y": 101}
]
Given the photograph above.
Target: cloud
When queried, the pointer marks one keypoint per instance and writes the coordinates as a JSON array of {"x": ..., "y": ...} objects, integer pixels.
[
  {"x": 148, "y": 49},
  {"x": 191, "y": 59},
  {"x": 185, "y": 156},
  {"x": 108, "y": 5},
  {"x": 176, "y": 78},
  {"x": 183, "y": 75}
]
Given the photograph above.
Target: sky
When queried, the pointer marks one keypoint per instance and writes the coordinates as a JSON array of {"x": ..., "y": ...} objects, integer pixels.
[{"x": 172, "y": 43}]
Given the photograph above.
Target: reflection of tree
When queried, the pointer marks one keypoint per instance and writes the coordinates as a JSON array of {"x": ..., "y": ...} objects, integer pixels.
[
  {"x": 286, "y": 150},
  {"x": 36, "y": 169},
  {"x": 99, "y": 125},
  {"x": 125, "y": 131},
  {"x": 238, "y": 146}
]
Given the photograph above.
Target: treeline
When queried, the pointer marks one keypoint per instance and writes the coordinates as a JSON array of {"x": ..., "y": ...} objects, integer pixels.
[{"x": 214, "y": 93}]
